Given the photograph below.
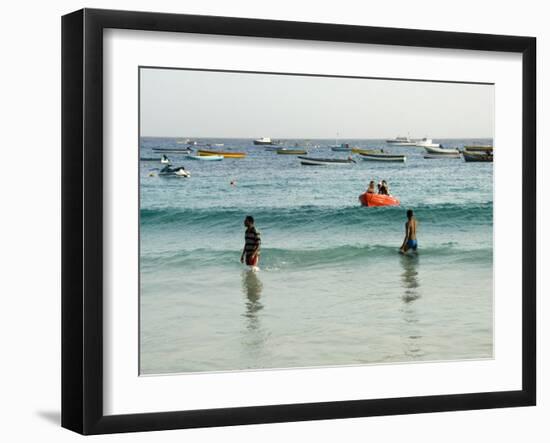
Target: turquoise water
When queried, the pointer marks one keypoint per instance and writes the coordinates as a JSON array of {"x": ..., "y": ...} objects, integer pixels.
[{"x": 332, "y": 289}]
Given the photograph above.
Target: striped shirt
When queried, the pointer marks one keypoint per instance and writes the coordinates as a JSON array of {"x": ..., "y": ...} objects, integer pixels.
[{"x": 252, "y": 240}]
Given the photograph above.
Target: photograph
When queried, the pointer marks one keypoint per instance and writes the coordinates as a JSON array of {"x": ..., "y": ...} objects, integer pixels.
[{"x": 292, "y": 220}]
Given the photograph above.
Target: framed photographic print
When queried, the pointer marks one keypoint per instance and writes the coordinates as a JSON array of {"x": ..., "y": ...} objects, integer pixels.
[{"x": 269, "y": 221}]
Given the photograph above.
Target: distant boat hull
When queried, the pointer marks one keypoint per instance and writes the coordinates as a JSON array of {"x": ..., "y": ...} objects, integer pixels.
[
  {"x": 401, "y": 141},
  {"x": 206, "y": 157},
  {"x": 384, "y": 157},
  {"x": 482, "y": 148},
  {"x": 442, "y": 156},
  {"x": 291, "y": 152},
  {"x": 187, "y": 142},
  {"x": 223, "y": 154},
  {"x": 477, "y": 157},
  {"x": 341, "y": 149},
  {"x": 344, "y": 147},
  {"x": 366, "y": 151},
  {"x": 439, "y": 150},
  {"x": 428, "y": 145},
  {"x": 172, "y": 151},
  {"x": 368, "y": 199}
]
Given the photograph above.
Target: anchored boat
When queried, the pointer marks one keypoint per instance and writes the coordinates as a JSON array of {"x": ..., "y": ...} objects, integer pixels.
[
  {"x": 264, "y": 141},
  {"x": 482, "y": 148},
  {"x": 206, "y": 157},
  {"x": 344, "y": 147},
  {"x": 427, "y": 143},
  {"x": 366, "y": 151},
  {"x": 401, "y": 141},
  {"x": 187, "y": 141},
  {"x": 184, "y": 151},
  {"x": 444, "y": 156},
  {"x": 225, "y": 154},
  {"x": 383, "y": 157},
  {"x": 310, "y": 161},
  {"x": 286, "y": 151},
  {"x": 478, "y": 156},
  {"x": 440, "y": 150},
  {"x": 370, "y": 199}
]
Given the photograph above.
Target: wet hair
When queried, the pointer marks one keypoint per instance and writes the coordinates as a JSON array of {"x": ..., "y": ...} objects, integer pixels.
[
  {"x": 409, "y": 213},
  {"x": 249, "y": 219}
]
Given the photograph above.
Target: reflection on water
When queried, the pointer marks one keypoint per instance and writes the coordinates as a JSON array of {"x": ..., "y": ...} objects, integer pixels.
[
  {"x": 409, "y": 277},
  {"x": 254, "y": 336},
  {"x": 252, "y": 289},
  {"x": 412, "y": 335}
]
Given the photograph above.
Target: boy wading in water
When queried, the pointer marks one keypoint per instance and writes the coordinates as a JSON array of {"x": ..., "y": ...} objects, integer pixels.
[
  {"x": 251, "y": 250},
  {"x": 410, "y": 234}
]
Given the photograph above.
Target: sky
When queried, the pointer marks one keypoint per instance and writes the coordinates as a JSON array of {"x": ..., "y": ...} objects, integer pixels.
[{"x": 183, "y": 103}]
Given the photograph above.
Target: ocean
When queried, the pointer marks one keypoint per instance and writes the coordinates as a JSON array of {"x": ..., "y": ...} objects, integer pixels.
[{"x": 332, "y": 289}]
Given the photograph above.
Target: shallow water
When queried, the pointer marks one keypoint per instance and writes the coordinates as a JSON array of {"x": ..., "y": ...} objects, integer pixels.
[{"x": 332, "y": 289}]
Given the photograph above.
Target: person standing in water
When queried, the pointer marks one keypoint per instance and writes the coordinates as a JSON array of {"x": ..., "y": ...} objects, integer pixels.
[
  {"x": 252, "y": 241},
  {"x": 410, "y": 241}
]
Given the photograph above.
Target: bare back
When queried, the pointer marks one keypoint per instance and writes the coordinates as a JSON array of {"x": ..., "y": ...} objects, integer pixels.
[{"x": 411, "y": 228}]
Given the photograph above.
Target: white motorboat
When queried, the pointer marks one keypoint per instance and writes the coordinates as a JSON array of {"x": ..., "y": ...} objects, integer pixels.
[
  {"x": 187, "y": 141},
  {"x": 401, "y": 141},
  {"x": 264, "y": 141},
  {"x": 427, "y": 143}
]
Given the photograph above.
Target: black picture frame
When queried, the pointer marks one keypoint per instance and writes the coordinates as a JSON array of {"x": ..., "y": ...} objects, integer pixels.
[{"x": 82, "y": 220}]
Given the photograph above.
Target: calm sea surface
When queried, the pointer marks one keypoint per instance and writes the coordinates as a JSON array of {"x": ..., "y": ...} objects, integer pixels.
[{"x": 332, "y": 289}]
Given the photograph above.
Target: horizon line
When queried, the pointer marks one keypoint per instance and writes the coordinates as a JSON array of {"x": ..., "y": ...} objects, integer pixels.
[{"x": 306, "y": 138}]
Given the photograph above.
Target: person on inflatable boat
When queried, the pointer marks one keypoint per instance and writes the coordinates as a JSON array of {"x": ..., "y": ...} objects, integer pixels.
[{"x": 383, "y": 188}]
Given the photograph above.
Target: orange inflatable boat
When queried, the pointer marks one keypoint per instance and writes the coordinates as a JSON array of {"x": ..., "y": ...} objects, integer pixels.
[{"x": 367, "y": 199}]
